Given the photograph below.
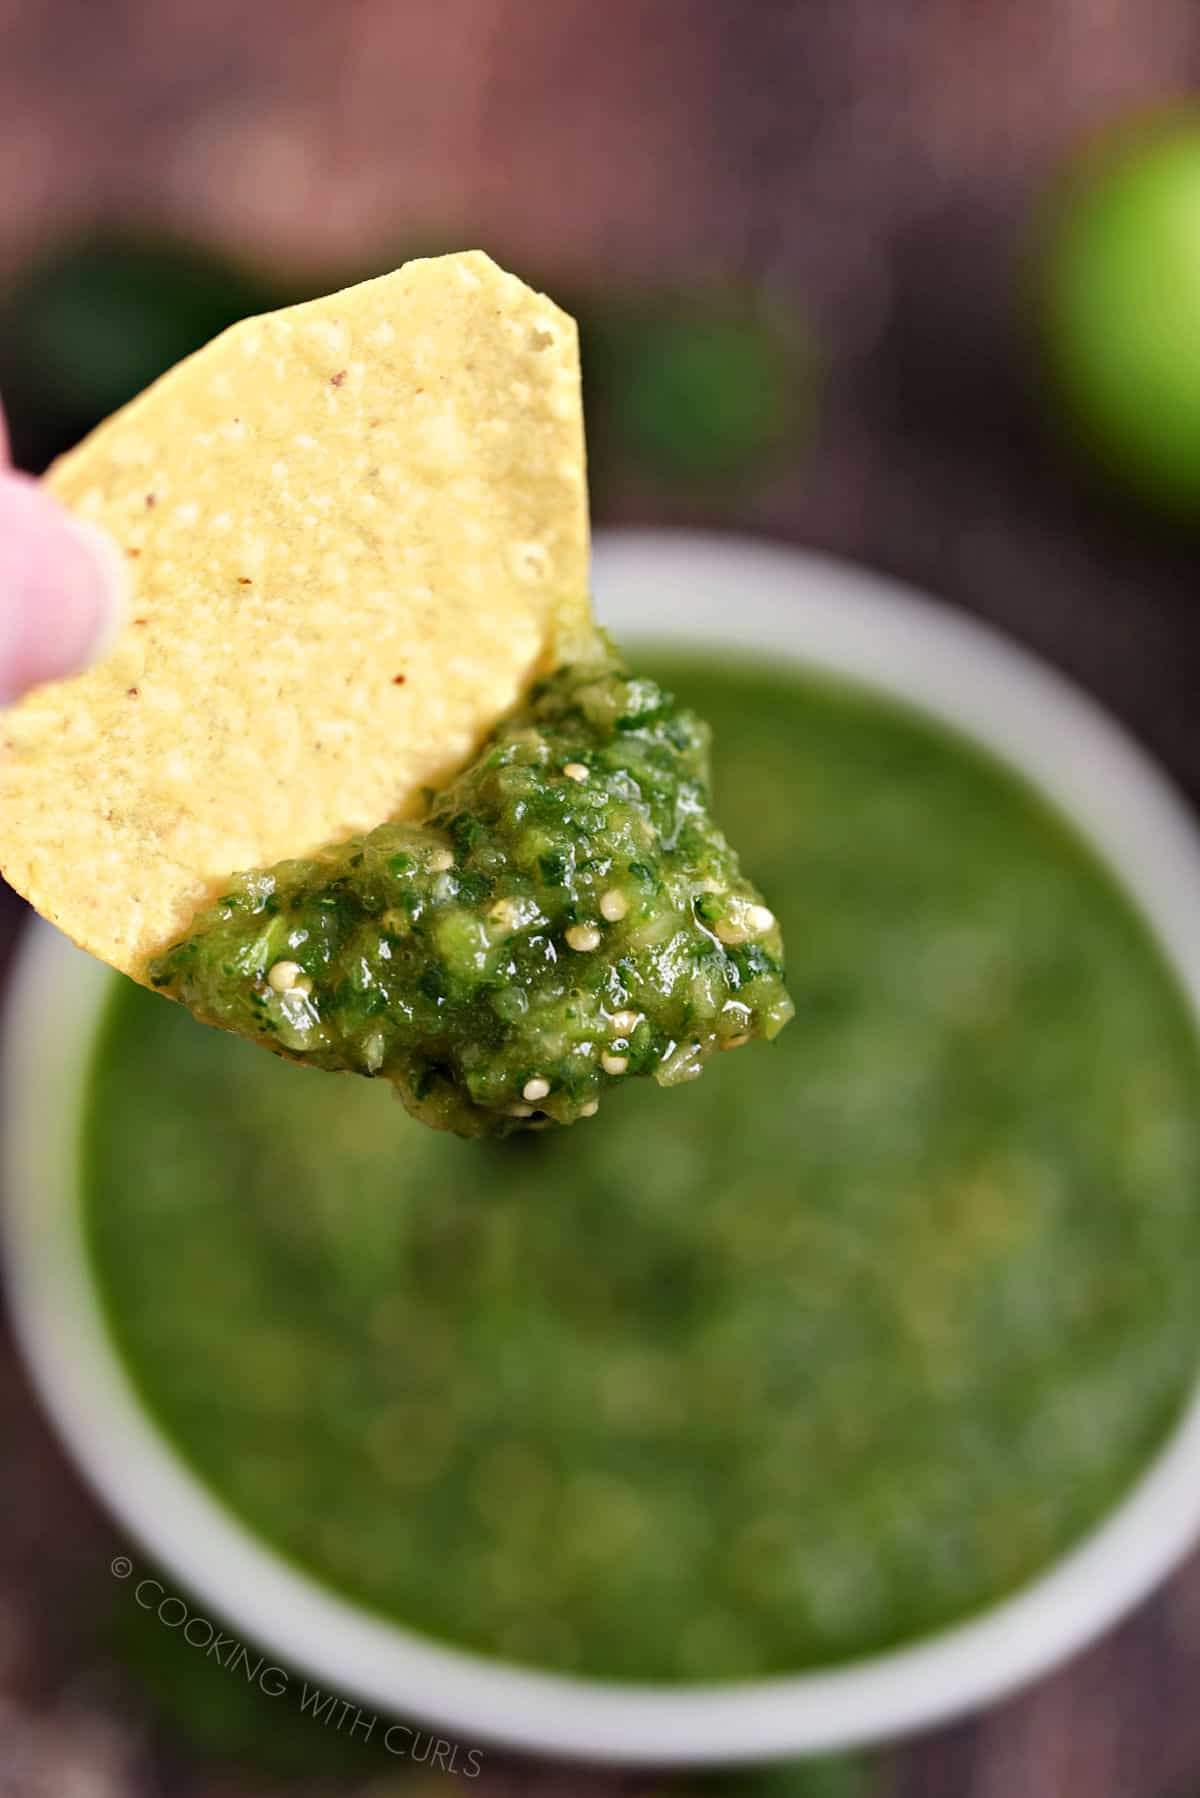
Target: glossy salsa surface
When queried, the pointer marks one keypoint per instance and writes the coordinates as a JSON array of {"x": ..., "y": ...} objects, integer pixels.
[
  {"x": 829, "y": 1348},
  {"x": 566, "y": 916}
]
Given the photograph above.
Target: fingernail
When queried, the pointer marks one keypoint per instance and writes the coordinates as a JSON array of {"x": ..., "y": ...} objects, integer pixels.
[{"x": 62, "y": 589}]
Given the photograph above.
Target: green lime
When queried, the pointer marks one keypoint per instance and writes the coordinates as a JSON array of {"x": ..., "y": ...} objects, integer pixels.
[{"x": 1121, "y": 298}]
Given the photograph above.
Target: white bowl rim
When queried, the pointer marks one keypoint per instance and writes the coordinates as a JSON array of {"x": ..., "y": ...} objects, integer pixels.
[{"x": 753, "y": 599}]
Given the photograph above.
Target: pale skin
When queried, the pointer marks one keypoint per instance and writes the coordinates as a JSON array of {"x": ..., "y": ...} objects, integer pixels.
[{"x": 61, "y": 585}]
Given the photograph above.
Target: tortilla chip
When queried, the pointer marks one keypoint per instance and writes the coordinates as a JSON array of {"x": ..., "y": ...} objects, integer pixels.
[{"x": 355, "y": 530}]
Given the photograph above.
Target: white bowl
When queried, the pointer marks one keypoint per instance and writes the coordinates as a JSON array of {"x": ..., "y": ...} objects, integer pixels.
[{"x": 729, "y": 595}]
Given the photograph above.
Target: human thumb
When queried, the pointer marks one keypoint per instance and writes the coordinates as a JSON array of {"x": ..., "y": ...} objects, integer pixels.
[{"x": 61, "y": 588}]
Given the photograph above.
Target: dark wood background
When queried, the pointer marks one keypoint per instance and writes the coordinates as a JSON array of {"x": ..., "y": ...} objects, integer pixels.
[{"x": 875, "y": 163}]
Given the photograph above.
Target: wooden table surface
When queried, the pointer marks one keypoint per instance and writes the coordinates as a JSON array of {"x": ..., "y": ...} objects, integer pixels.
[{"x": 874, "y": 164}]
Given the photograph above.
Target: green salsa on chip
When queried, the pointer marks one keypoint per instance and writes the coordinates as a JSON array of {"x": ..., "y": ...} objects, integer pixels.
[{"x": 567, "y": 914}]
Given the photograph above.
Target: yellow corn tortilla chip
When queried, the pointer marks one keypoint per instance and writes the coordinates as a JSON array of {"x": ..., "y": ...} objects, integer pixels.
[{"x": 355, "y": 530}]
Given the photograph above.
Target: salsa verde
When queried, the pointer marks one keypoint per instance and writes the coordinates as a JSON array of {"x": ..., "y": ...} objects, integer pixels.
[
  {"x": 565, "y": 916},
  {"x": 830, "y": 1348}
]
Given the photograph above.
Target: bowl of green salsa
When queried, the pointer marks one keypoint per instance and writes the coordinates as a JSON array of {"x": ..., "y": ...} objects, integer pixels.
[{"x": 816, "y": 1401}]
